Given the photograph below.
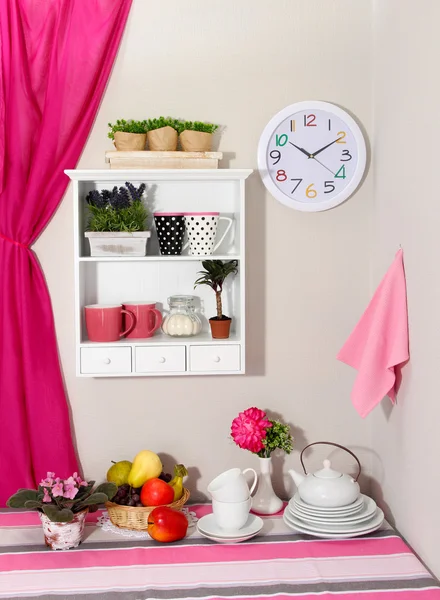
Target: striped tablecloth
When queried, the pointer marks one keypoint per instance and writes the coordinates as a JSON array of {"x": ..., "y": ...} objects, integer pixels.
[{"x": 277, "y": 564}]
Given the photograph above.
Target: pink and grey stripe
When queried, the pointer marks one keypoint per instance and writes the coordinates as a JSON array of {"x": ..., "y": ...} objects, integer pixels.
[{"x": 278, "y": 564}]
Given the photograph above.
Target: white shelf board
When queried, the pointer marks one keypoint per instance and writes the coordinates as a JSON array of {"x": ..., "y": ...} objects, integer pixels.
[
  {"x": 160, "y": 339},
  {"x": 158, "y": 174},
  {"x": 181, "y": 258}
]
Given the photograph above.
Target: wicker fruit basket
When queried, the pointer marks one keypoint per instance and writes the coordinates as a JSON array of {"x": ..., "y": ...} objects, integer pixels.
[{"x": 136, "y": 517}]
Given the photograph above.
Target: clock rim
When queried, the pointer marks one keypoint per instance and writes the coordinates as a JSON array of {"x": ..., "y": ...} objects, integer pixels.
[{"x": 267, "y": 133}]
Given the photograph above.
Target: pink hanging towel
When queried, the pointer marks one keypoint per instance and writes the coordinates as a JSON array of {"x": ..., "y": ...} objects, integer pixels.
[{"x": 378, "y": 346}]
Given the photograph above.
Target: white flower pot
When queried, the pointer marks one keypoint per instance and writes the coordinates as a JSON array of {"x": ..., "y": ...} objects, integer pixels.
[
  {"x": 62, "y": 536},
  {"x": 120, "y": 243},
  {"x": 265, "y": 501}
]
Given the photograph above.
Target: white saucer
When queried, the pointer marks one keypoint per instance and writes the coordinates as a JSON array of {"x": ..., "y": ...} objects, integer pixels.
[
  {"x": 227, "y": 540},
  {"x": 207, "y": 526},
  {"x": 355, "y": 529},
  {"x": 323, "y": 510},
  {"x": 366, "y": 513}
]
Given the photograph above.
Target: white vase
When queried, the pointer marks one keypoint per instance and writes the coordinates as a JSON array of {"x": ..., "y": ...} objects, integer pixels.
[
  {"x": 62, "y": 536},
  {"x": 265, "y": 501}
]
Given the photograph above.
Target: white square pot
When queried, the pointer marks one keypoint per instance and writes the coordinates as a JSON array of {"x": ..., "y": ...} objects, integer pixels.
[{"x": 107, "y": 243}]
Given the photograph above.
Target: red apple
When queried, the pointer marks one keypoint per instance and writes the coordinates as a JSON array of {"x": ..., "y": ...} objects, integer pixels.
[
  {"x": 166, "y": 524},
  {"x": 156, "y": 492}
]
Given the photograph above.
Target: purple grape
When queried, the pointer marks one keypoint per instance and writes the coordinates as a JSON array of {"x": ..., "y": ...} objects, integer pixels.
[{"x": 136, "y": 497}]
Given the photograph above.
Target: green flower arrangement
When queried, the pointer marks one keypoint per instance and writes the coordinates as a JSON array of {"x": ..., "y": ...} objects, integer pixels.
[
  {"x": 130, "y": 126},
  {"x": 152, "y": 124},
  {"x": 199, "y": 126}
]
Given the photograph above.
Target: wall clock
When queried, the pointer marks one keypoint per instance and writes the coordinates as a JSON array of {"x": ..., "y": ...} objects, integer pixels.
[{"x": 312, "y": 156}]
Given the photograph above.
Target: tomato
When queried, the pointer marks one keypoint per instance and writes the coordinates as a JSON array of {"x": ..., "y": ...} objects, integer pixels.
[{"x": 156, "y": 492}]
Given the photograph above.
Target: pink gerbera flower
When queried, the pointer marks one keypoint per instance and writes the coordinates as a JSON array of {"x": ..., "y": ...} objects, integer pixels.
[{"x": 248, "y": 430}]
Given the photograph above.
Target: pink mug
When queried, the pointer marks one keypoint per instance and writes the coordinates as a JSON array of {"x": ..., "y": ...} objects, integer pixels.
[
  {"x": 104, "y": 322},
  {"x": 148, "y": 318}
]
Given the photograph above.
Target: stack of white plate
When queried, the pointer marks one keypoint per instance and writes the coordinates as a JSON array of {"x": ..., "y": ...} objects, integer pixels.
[{"x": 358, "y": 518}]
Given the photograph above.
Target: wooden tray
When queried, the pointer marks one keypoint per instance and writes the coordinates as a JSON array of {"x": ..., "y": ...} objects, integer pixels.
[{"x": 163, "y": 160}]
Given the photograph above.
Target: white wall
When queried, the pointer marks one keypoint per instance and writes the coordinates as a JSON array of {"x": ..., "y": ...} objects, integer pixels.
[
  {"x": 237, "y": 63},
  {"x": 406, "y": 134}
]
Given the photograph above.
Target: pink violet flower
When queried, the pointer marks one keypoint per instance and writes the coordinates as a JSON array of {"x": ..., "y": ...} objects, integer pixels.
[
  {"x": 248, "y": 430},
  {"x": 57, "y": 490},
  {"x": 46, "y": 497},
  {"x": 70, "y": 491},
  {"x": 48, "y": 482}
]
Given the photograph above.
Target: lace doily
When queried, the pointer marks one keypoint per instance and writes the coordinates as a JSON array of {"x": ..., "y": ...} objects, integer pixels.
[{"x": 106, "y": 525}]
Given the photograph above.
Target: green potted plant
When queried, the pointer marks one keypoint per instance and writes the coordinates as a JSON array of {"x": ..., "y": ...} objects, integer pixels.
[
  {"x": 196, "y": 136},
  {"x": 162, "y": 134},
  {"x": 128, "y": 135},
  {"x": 116, "y": 221},
  {"x": 62, "y": 505},
  {"x": 214, "y": 275}
]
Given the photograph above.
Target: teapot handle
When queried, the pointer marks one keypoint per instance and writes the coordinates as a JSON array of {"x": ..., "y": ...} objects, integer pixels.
[{"x": 331, "y": 444}]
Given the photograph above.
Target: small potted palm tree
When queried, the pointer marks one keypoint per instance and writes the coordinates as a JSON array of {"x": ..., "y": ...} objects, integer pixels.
[
  {"x": 128, "y": 135},
  {"x": 214, "y": 275},
  {"x": 196, "y": 136}
]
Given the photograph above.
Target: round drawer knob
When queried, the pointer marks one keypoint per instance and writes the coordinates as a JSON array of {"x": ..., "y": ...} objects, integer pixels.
[
  {"x": 162, "y": 359},
  {"x": 216, "y": 358},
  {"x": 107, "y": 361}
]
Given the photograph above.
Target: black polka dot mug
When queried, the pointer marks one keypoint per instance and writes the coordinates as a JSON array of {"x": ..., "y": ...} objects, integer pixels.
[
  {"x": 201, "y": 228},
  {"x": 170, "y": 228}
]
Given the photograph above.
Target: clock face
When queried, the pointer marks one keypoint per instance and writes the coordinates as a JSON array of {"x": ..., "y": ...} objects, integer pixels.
[{"x": 312, "y": 156}]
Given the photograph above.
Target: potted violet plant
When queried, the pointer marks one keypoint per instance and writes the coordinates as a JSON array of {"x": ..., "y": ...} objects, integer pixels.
[
  {"x": 162, "y": 134},
  {"x": 252, "y": 430},
  {"x": 214, "y": 275},
  {"x": 196, "y": 136},
  {"x": 62, "y": 505},
  {"x": 128, "y": 135},
  {"x": 116, "y": 224}
]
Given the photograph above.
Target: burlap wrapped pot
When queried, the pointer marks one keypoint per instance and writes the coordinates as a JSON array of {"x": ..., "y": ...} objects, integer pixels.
[
  {"x": 195, "y": 141},
  {"x": 162, "y": 139},
  {"x": 130, "y": 141}
]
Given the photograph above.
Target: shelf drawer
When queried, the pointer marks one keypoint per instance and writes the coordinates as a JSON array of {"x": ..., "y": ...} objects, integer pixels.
[
  {"x": 214, "y": 358},
  {"x": 103, "y": 360},
  {"x": 160, "y": 359}
]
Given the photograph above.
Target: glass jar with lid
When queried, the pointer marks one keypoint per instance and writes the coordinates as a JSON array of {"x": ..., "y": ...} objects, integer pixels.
[{"x": 182, "y": 320}]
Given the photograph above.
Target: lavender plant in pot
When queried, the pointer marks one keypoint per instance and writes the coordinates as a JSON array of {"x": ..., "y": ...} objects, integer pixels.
[
  {"x": 117, "y": 220},
  {"x": 214, "y": 275},
  {"x": 62, "y": 505},
  {"x": 128, "y": 135}
]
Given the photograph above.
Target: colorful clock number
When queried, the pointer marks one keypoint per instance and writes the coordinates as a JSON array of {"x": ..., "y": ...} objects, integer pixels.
[
  {"x": 299, "y": 183},
  {"x": 310, "y": 191},
  {"x": 292, "y": 125},
  {"x": 341, "y": 137},
  {"x": 341, "y": 173},
  {"x": 346, "y": 153},
  {"x": 281, "y": 175},
  {"x": 327, "y": 185},
  {"x": 276, "y": 155},
  {"x": 281, "y": 140},
  {"x": 309, "y": 120}
]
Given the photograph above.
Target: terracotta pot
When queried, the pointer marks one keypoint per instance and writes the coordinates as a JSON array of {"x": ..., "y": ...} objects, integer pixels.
[
  {"x": 195, "y": 141},
  {"x": 62, "y": 536},
  {"x": 163, "y": 139},
  {"x": 126, "y": 142},
  {"x": 220, "y": 328}
]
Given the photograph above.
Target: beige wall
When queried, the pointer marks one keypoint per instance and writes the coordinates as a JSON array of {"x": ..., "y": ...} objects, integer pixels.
[
  {"x": 407, "y": 212},
  {"x": 237, "y": 63}
]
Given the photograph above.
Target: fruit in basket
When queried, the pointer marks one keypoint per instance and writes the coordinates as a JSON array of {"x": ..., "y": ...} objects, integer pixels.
[
  {"x": 166, "y": 524},
  {"x": 119, "y": 472},
  {"x": 177, "y": 482},
  {"x": 146, "y": 465},
  {"x": 165, "y": 477},
  {"x": 156, "y": 492}
]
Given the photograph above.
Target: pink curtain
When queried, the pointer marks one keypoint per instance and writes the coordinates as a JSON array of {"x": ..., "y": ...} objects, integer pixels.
[{"x": 55, "y": 60}]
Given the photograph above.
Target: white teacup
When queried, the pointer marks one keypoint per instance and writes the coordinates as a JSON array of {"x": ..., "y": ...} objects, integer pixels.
[
  {"x": 231, "y": 516},
  {"x": 231, "y": 486}
]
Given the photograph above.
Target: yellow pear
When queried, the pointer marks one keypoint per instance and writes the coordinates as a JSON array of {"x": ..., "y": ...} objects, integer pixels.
[
  {"x": 119, "y": 471},
  {"x": 146, "y": 465}
]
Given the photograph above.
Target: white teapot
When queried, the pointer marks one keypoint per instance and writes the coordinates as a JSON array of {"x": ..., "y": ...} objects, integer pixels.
[{"x": 327, "y": 488}]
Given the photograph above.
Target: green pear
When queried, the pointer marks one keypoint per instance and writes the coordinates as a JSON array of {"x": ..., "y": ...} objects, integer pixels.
[{"x": 119, "y": 471}]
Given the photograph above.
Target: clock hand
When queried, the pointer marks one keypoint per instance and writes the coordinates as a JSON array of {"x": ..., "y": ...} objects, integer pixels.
[
  {"x": 322, "y": 164},
  {"x": 302, "y": 150},
  {"x": 321, "y": 149}
]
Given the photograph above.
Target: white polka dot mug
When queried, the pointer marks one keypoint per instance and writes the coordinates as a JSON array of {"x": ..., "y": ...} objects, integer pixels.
[
  {"x": 201, "y": 228},
  {"x": 170, "y": 228}
]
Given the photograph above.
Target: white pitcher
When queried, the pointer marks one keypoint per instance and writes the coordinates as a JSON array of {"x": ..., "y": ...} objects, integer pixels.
[{"x": 231, "y": 486}]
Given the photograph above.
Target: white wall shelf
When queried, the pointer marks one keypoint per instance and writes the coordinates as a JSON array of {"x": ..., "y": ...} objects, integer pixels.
[{"x": 104, "y": 280}]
